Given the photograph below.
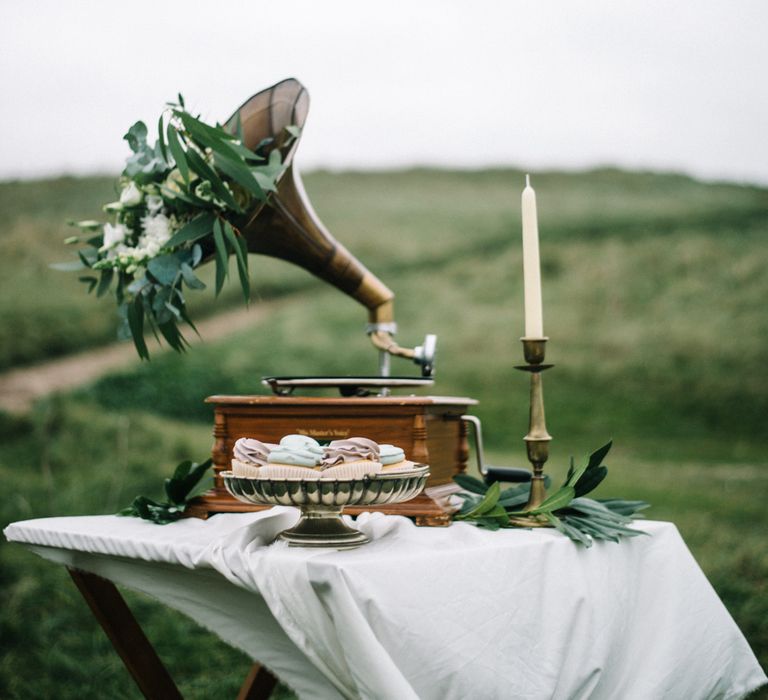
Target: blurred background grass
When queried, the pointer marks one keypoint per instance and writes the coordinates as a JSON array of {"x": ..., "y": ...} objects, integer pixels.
[{"x": 654, "y": 297}]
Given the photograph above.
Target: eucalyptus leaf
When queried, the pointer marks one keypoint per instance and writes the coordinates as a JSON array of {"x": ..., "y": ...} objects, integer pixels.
[
  {"x": 136, "y": 324},
  {"x": 90, "y": 281},
  {"x": 104, "y": 281},
  {"x": 172, "y": 335},
  {"x": 69, "y": 266},
  {"x": 241, "y": 174},
  {"x": 189, "y": 277},
  {"x": 164, "y": 268},
  {"x": 241, "y": 253},
  {"x": 161, "y": 139},
  {"x": 222, "y": 256},
  {"x": 177, "y": 151},
  {"x": 137, "y": 137},
  {"x": 197, "y": 228},
  {"x": 207, "y": 173}
]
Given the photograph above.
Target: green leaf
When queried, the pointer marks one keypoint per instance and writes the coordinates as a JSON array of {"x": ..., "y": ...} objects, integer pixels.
[
  {"x": 590, "y": 480},
  {"x": 69, "y": 266},
  {"x": 489, "y": 502},
  {"x": 170, "y": 307},
  {"x": 498, "y": 513},
  {"x": 238, "y": 130},
  {"x": 215, "y": 138},
  {"x": 559, "y": 499},
  {"x": 488, "y": 523},
  {"x": 88, "y": 256},
  {"x": 137, "y": 137},
  {"x": 622, "y": 507},
  {"x": 515, "y": 492},
  {"x": 164, "y": 268},
  {"x": 195, "y": 475},
  {"x": 136, "y": 324},
  {"x": 161, "y": 139},
  {"x": 90, "y": 281},
  {"x": 568, "y": 530},
  {"x": 104, "y": 281},
  {"x": 178, "y": 488},
  {"x": 597, "y": 457},
  {"x": 604, "y": 529},
  {"x": 174, "y": 487},
  {"x": 199, "y": 129},
  {"x": 222, "y": 267},
  {"x": 206, "y": 172},
  {"x": 590, "y": 506},
  {"x": 470, "y": 483},
  {"x": 188, "y": 320},
  {"x": 189, "y": 277},
  {"x": 513, "y": 502},
  {"x": 266, "y": 182},
  {"x": 470, "y": 500},
  {"x": 177, "y": 151},
  {"x": 172, "y": 335},
  {"x": 197, "y": 228},
  {"x": 237, "y": 243},
  {"x": 240, "y": 173}
]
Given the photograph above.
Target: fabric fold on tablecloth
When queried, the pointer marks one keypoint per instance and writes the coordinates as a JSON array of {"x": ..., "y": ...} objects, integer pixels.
[
  {"x": 452, "y": 613},
  {"x": 460, "y": 612}
]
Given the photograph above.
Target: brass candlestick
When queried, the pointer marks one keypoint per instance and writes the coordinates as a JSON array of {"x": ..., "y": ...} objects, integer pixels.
[{"x": 537, "y": 439}]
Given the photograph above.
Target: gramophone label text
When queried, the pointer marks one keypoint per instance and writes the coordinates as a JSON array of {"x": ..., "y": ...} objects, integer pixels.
[{"x": 324, "y": 432}]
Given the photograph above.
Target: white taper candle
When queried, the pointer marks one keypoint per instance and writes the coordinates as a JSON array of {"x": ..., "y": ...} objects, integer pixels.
[{"x": 534, "y": 322}]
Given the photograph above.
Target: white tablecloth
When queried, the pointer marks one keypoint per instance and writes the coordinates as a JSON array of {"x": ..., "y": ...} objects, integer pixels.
[{"x": 443, "y": 613}]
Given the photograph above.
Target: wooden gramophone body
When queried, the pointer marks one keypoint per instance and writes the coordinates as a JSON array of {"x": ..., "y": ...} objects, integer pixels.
[{"x": 429, "y": 429}]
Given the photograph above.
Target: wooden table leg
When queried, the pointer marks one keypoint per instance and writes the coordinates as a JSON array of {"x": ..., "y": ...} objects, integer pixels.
[
  {"x": 258, "y": 685},
  {"x": 136, "y": 651},
  {"x": 129, "y": 640}
]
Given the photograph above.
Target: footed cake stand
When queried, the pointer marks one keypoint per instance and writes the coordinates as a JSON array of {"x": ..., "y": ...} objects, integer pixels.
[{"x": 322, "y": 500}]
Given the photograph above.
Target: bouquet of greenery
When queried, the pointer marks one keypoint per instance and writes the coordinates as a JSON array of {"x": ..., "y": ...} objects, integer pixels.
[
  {"x": 179, "y": 489},
  {"x": 567, "y": 509},
  {"x": 181, "y": 201}
]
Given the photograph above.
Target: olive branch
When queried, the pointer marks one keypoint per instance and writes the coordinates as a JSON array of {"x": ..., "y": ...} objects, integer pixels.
[{"x": 581, "y": 519}]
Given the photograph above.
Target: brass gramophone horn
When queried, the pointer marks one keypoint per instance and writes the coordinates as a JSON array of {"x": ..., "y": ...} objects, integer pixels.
[{"x": 288, "y": 228}]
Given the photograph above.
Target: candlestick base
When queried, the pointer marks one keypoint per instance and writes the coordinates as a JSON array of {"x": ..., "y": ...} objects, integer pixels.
[{"x": 529, "y": 521}]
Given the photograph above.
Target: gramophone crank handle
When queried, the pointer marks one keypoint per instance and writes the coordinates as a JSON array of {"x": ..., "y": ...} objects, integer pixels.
[
  {"x": 423, "y": 355},
  {"x": 489, "y": 473}
]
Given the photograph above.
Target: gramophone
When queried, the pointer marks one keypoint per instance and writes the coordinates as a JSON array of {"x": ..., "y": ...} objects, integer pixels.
[{"x": 431, "y": 429}]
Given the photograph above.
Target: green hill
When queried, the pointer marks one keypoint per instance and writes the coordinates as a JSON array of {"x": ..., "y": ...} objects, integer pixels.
[{"x": 654, "y": 300}]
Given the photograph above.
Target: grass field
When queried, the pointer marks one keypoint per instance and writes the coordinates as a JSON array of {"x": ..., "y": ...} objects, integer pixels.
[{"x": 654, "y": 299}]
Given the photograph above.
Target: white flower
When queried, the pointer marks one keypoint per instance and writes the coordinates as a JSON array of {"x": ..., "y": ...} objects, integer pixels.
[
  {"x": 113, "y": 235},
  {"x": 131, "y": 195},
  {"x": 157, "y": 229},
  {"x": 154, "y": 204}
]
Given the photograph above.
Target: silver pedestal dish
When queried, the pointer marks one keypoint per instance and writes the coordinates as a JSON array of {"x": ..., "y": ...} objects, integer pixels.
[{"x": 322, "y": 500}]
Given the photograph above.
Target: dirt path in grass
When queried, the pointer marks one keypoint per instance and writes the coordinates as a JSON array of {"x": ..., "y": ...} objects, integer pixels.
[{"x": 20, "y": 388}]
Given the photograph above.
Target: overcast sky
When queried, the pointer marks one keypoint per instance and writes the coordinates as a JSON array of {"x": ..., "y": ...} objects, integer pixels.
[{"x": 536, "y": 84}]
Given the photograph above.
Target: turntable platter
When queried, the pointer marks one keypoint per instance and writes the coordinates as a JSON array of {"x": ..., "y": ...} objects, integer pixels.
[{"x": 347, "y": 386}]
